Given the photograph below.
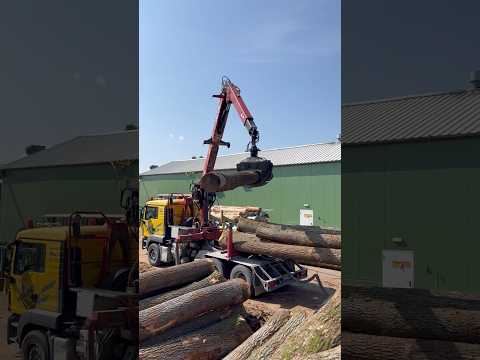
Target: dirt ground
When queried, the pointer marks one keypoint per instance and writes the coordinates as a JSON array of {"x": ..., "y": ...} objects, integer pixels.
[
  {"x": 308, "y": 297},
  {"x": 7, "y": 352}
]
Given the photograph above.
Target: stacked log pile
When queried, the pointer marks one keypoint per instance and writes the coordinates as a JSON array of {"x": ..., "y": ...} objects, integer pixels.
[
  {"x": 291, "y": 335},
  {"x": 233, "y": 213},
  {"x": 385, "y": 323},
  {"x": 305, "y": 245},
  {"x": 190, "y": 311}
]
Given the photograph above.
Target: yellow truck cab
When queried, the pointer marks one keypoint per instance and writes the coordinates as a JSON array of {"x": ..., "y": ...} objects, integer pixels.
[
  {"x": 164, "y": 210},
  {"x": 58, "y": 281},
  {"x": 161, "y": 215}
]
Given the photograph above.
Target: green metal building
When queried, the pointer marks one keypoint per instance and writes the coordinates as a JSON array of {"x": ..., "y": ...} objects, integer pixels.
[
  {"x": 410, "y": 192},
  {"x": 86, "y": 173},
  {"x": 306, "y": 183}
]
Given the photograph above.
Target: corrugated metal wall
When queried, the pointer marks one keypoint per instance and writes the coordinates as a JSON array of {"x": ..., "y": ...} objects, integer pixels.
[
  {"x": 317, "y": 185},
  {"x": 426, "y": 193},
  {"x": 35, "y": 192}
]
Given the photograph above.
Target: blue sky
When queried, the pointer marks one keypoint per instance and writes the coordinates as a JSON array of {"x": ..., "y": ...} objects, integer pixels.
[{"x": 284, "y": 56}]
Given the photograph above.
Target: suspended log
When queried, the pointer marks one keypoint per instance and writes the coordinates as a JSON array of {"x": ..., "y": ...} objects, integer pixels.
[
  {"x": 272, "y": 325},
  {"x": 250, "y": 226},
  {"x": 200, "y": 322},
  {"x": 210, "y": 343},
  {"x": 218, "y": 182},
  {"x": 174, "y": 276},
  {"x": 212, "y": 279},
  {"x": 299, "y": 237},
  {"x": 357, "y": 346},
  {"x": 159, "y": 318},
  {"x": 319, "y": 333},
  {"x": 413, "y": 314},
  {"x": 266, "y": 350},
  {"x": 320, "y": 257}
]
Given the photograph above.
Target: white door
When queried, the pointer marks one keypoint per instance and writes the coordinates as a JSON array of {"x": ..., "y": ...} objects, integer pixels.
[
  {"x": 398, "y": 268},
  {"x": 306, "y": 217}
]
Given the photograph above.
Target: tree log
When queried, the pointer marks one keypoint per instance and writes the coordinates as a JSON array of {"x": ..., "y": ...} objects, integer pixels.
[
  {"x": 198, "y": 323},
  {"x": 164, "y": 316},
  {"x": 212, "y": 279},
  {"x": 218, "y": 182},
  {"x": 431, "y": 298},
  {"x": 210, "y": 343},
  {"x": 266, "y": 350},
  {"x": 356, "y": 346},
  {"x": 260, "y": 336},
  {"x": 414, "y": 314},
  {"x": 320, "y": 257},
  {"x": 319, "y": 333},
  {"x": 299, "y": 237},
  {"x": 250, "y": 226},
  {"x": 331, "y": 354},
  {"x": 174, "y": 276}
]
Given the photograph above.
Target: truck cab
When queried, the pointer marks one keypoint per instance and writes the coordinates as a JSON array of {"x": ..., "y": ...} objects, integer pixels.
[
  {"x": 58, "y": 288},
  {"x": 163, "y": 218}
]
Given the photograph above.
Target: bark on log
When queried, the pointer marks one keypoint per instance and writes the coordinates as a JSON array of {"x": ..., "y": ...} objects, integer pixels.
[
  {"x": 210, "y": 343},
  {"x": 410, "y": 314},
  {"x": 299, "y": 237},
  {"x": 260, "y": 336},
  {"x": 321, "y": 257},
  {"x": 164, "y": 316},
  {"x": 212, "y": 279},
  {"x": 430, "y": 298},
  {"x": 357, "y": 346},
  {"x": 200, "y": 322},
  {"x": 250, "y": 226},
  {"x": 218, "y": 182},
  {"x": 319, "y": 333},
  {"x": 331, "y": 354},
  {"x": 266, "y": 350},
  {"x": 174, "y": 276}
]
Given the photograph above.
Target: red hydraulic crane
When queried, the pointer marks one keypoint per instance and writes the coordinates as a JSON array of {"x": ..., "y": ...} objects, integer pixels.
[{"x": 230, "y": 94}]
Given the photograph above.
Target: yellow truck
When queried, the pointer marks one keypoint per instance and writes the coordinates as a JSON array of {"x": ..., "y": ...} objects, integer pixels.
[
  {"x": 72, "y": 291},
  {"x": 162, "y": 219}
]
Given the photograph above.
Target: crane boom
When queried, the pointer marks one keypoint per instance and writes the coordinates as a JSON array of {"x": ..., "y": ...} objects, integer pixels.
[{"x": 230, "y": 94}]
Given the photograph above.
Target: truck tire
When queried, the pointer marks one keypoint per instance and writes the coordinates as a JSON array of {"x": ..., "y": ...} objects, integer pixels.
[
  {"x": 35, "y": 346},
  {"x": 154, "y": 255},
  {"x": 244, "y": 273},
  {"x": 220, "y": 266}
]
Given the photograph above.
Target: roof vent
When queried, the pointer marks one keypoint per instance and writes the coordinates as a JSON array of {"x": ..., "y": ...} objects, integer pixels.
[{"x": 475, "y": 79}]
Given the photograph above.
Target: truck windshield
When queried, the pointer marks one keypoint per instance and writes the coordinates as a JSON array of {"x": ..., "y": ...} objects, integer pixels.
[{"x": 29, "y": 257}]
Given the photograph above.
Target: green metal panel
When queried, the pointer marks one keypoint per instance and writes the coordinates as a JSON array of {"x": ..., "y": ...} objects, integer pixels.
[
  {"x": 427, "y": 193},
  {"x": 317, "y": 185},
  {"x": 35, "y": 192}
]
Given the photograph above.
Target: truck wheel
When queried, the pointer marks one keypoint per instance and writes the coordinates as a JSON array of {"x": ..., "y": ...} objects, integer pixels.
[
  {"x": 220, "y": 267},
  {"x": 244, "y": 273},
  {"x": 35, "y": 346},
  {"x": 154, "y": 255}
]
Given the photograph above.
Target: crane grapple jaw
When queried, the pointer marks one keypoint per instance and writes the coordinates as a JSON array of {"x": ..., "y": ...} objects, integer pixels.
[{"x": 262, "y": 166}]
